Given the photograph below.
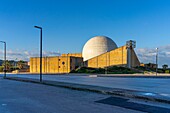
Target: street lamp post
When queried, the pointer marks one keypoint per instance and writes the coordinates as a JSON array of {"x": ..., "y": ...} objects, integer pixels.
[
  {"x": 4, "y": 57},
  {"x": 40, "y": 51},
  {"x": 67, "y": 63},
  {"x": 106, "y": 63},
  {"x": 156, "y": 61}
]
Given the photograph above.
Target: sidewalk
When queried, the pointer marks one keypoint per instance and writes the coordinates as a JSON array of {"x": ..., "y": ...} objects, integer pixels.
[{"x": 99, "y": 89}]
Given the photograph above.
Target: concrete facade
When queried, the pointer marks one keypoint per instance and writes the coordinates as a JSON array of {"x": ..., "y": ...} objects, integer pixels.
[
  {"x": 57, "y": 64},
  {"x": 115, "y": 57},
  {"x": 73, "y": 54}
]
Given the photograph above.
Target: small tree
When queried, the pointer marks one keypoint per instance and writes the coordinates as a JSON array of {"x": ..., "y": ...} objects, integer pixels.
[
  {"x": 8, "y": 65},
  {"x": 165, "y": 66},
  {"x": 20, "y": 64}
]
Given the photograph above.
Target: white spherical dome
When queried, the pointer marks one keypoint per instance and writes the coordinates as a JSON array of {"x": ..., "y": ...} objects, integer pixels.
[{"x": 97, "y": 46}]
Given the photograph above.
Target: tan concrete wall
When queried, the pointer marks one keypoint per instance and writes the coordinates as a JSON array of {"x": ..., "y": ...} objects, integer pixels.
[
  {"x": 73, "y": 54},
  {"x": 33, "y": 65},
  {"x": 75, "y": 62},
  {"x": 135, "y": 60},
  {"x": 142, "y": 64},
  {"x": 54, "y": 64},
  {"x": 114, "y": 57}
]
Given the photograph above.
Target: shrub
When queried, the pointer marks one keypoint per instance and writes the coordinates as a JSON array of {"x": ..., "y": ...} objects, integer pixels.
[
  {"x": 166, "y": 71},
  {"x": 1, "y": 68}
]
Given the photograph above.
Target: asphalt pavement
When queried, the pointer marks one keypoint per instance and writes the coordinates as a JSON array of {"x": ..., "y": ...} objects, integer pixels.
[
  {"x": 24, "y": 97},
  {"x": 144, "y": 84},
  {"x": 34, "y": 97}
]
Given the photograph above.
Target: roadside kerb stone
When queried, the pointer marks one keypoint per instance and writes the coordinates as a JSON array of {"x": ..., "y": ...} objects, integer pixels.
[{"x": 98, "y": 89}]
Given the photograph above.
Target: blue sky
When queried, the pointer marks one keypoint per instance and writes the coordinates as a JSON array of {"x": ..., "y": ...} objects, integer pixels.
[{"x": 68, "y": 24}]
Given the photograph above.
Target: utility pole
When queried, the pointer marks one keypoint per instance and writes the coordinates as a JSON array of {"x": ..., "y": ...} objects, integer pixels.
[{"x": 156, "y": 61}]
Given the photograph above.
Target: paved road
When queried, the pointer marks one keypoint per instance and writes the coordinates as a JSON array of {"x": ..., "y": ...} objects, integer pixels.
[
  {"x": 21, "y": 97},
  {"x": 155, "y": 85}
]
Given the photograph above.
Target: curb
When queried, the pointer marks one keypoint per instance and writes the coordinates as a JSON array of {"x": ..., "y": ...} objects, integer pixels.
[{"x": 102, "y": 90}]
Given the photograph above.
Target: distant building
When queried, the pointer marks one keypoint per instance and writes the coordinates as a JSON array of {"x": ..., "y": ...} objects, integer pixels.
[
  {"x": 149, "y": 65},
  {"x": 98, "y": 52}
]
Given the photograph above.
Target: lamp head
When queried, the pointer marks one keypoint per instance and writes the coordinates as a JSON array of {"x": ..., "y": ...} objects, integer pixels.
[
  {"x": 38, "y": 27},
  {"x": 2, "y": 41}
]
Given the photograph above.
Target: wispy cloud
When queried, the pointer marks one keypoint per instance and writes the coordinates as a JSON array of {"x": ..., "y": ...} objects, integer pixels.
[
  {"x": 25, "y": 55},
  {"x": 147, "y": 55}
]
